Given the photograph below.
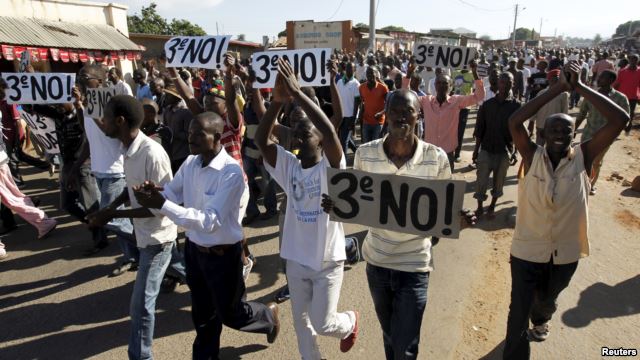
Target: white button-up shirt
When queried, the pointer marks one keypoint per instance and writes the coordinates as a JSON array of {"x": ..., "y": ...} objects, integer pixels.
[
  {"x": 145, "y": 159},
  {"x": 211, "y": 196}
]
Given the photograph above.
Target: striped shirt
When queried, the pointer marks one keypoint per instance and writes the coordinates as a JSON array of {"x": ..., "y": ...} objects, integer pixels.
[
  {"x": 231, "y": 138},
  {"x": 391, "y": 249}
]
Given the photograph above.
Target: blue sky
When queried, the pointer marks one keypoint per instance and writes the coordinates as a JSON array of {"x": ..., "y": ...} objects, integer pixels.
[{"x": 255, "y": 18}]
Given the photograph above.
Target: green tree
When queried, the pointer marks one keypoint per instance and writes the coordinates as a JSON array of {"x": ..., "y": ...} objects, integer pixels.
[
  {"x": 485, "y": 37},
  {"x": 362, "y": 26},
  {"x": 150, "y": 22},
  {"x": 242, "y": 37},
  {"x": 393, "y": 28},
  {"x": 597, "y": 39},
  {"x": 184, "y": 27},
  {"x": 524, "y": 34},
  {"x": 282, "y": 33},
  {"x": 623, "y": 29}
]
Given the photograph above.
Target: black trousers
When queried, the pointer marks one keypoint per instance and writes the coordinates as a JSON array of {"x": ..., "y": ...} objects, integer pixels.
[
  {"x": 462, "y": 126},
  {"x": 217, "y": 287},
  {"x": 7, "y": 217},
  {"x": 534, "y": 290},
  {"x": 632, "y": 111}
]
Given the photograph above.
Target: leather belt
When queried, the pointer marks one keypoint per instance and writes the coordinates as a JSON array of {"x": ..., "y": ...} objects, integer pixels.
[{"x": 218, "y": 250}]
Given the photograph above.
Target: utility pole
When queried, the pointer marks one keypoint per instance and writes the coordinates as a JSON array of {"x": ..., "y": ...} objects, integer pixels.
[
  {"x": 372, "y": 25},
  {"x": 217, "y": 31},
  {"x": 515, "y": 19},
  {"x": 540, "y": 32}
]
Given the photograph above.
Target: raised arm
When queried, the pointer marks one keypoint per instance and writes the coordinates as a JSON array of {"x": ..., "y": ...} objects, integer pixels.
[
  {"x": 519, "y": 133},
  {"x": 336, "y": 102},
  {"x": 185, "y": 92},
  {"x": 616, "y": 116},
  {"x": 478, "y": 95},
  {"x": 262, "y": 139},
  {"x": 233, "y": 111},
  {"x": 330, "y": 142}
]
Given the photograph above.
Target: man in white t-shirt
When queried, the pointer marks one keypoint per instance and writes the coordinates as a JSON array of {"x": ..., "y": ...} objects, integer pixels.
[
  {"x": 107, "y": 168},
  {"x": 348, "y": 88},
  {"x": 312, "y": 244}
]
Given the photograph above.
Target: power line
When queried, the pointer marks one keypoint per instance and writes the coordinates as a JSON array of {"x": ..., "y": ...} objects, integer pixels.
[
  {"x": 335, "y": 12},
  {"x": 378, "y": 5},
  {"x": 483, "y": 9}
]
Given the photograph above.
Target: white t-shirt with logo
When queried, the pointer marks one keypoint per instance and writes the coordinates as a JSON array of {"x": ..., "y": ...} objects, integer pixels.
[{"x": 308, "y": 236}]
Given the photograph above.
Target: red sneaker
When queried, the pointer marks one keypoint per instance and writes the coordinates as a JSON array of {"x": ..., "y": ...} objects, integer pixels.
[{"x": 347, "y": 343}]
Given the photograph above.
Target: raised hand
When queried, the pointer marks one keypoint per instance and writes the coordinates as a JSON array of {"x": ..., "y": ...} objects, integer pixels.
[
  {"x": 332, "y": 67},
  {"x": 289, "y": 78},
  {"x": 573, "y": 68}
]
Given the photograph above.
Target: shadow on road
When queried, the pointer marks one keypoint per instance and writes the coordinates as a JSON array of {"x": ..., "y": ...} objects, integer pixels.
[
  {"x": 621, "y": 300},
  {"x": 100, "y": 307},
  {"x": 630, "y": 193},
  {"x": 496, "y": 353}
]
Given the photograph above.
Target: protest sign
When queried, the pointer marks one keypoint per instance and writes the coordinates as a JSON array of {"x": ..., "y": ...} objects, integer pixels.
[
  {"x": 483, "y": 70},
  {"x": 39, "y": 88},
  {"x": 398, "y": 203},
  {"x": 44, "y": 129},
  {"x": 205, "y": 52},
  {"x": 97, "y": 99},
  {"x": 309, "y": 64},
  {"x": 433, "y": 55}
]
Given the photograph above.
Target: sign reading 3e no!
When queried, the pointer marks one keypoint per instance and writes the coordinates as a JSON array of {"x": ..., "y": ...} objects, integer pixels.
[{"x": 398, "y": 203}]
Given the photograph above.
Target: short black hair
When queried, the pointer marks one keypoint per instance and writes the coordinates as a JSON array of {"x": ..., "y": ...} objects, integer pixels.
[
  {"x": 127, "y": 107},
  {"x": 610, "y": 73},
  {"x": 142, "y": 72}
]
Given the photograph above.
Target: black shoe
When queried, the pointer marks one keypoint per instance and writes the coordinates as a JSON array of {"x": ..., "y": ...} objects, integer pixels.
[
  {"x": 169, "y": 284},
  {"x": 96, "y": 249},
  {"x": 283, "y": 295},
  {"x": 124, "y": 267},
  {"x": 271, "y": 337}
]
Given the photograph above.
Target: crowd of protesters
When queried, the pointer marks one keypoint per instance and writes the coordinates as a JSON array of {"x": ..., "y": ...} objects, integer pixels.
[{"x": 194, "y": 152}]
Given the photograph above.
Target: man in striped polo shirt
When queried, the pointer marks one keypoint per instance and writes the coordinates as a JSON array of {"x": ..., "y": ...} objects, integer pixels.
[{"x": 398, "y": 264}]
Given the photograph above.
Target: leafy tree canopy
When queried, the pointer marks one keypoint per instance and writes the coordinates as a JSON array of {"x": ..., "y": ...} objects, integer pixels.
[{"x": 150, "y": 22}]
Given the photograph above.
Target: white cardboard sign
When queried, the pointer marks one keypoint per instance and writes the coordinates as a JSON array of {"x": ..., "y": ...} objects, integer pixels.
[
  {"x": 44, "y": 129},
  {"x": 433, "y": 55},
  {"x": 205, "y": 52},
  {"x": 309, "y": 64},
  {"x": 398, "y": 203},
  {"x": 39, "y": 88},
  {"x": 97, "y": 99}
]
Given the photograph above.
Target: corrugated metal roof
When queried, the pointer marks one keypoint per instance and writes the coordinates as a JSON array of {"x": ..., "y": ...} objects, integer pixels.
[{"x": 59, "y": 34}]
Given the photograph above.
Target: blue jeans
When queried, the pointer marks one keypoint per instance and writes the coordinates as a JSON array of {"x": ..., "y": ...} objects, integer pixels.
[
  {"x": 176, "y": 265},
  {"x": 371, "y": 132},
  {"x": 399, "y": 299},
  {"x": 154, "y": 260},
  {"x": 268, "y": 187},
  {"x": 110, "y": 188}
]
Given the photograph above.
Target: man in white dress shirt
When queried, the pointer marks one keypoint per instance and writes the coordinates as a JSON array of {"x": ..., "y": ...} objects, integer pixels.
[{"x": 210, "y": 184}]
